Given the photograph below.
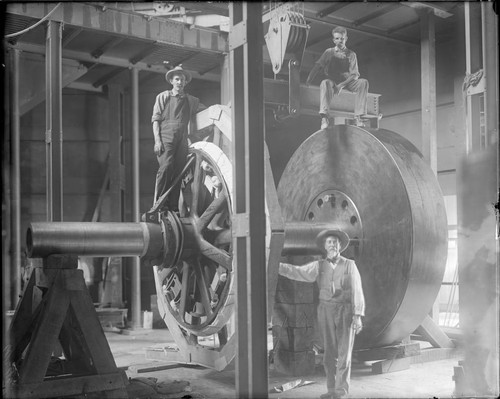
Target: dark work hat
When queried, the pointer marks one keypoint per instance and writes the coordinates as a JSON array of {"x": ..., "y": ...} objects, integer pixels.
[
  {"x": 176, "y": 70},
  {"x": 343, "y": 237}
]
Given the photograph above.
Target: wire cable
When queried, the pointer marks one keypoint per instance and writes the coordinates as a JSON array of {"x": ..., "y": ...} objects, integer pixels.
[{"x": 32, "y": 26}]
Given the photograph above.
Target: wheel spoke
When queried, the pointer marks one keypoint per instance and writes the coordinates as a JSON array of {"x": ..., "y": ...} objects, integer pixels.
[
  {"x": 214, "y": 207},
  {"x": 184, "y": 289},
  {"x": 222, "y": 237},
  {"x": 202, "y": 286},
  {"x": 196, "y": 186},
  {"x": 217, "y": 255}
]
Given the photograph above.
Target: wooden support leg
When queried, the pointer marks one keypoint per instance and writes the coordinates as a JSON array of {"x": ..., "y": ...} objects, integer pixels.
[{"x": 57, "y": 308}]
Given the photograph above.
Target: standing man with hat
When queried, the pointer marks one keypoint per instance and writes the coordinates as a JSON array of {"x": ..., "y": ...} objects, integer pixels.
[
  {"x": 174, "y": 113},
  {"x": 341, "y": 306}
]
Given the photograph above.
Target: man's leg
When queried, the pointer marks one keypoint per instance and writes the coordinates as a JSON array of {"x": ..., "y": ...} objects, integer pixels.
[
  {"x": 327, "y": 328},
  {"x": 345, "y": 340},
  {"x": 165, "y": 169},
  {"x": 180, "y": 159},
  {"x": 360, "y": 88},
  {"x": 325, "y": 98}
]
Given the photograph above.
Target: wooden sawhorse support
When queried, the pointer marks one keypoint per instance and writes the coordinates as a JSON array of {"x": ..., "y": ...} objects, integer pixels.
[{"x": 56, "y": 308}]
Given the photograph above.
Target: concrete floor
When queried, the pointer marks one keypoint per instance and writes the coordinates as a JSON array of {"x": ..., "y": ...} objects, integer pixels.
[{"x": 422, "y": 380}]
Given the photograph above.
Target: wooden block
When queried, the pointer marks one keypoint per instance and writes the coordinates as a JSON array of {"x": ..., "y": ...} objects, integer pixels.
[
  {"x": 294, "y": 339},
  {"x": 73, "y": 386},
  {"x": 294, "y": 315},
  {"x": 433, "y": 333},
  {"x": 294, "y": 363},
  {"x": 291, "y": 291},
  {"x": 389, "y": 366},
  {"x": 388, "y": 352},
  {"x": 433, "y": 354}
]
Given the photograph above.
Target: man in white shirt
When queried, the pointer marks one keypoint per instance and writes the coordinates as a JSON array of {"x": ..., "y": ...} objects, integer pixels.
[{"x": 341, "y": 306}]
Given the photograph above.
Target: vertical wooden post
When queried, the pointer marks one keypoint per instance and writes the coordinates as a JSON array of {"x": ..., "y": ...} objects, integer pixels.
[
  {"x": 116, "y": 189},
  {"x": 225, "y": 96},
  {"x": 428, "y": 79},
  {"x": 53, "y": 133},
  {"x": 489, "y": 20},
  {"x": 474, "y": 58},
  {"x": 135, "y": 261},
  {"x": 15, "y": 179},
  {"x": 249, "y": 223}
]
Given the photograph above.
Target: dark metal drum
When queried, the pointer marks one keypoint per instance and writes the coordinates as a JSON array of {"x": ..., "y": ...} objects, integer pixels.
[{"x": 376, "y": 186}]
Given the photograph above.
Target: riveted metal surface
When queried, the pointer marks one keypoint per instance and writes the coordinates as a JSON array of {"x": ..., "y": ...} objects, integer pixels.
[{"x": 402, "y": 241}]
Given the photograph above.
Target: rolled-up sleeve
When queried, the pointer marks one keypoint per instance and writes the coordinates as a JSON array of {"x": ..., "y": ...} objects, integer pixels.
[
  {"x": 324, "y": 60},
  {"x": 353, "y": 65},
  {"x": 159, "y": 106},
  {"x": 358, "y": 299},
  {"x": 308, "y": 272}
]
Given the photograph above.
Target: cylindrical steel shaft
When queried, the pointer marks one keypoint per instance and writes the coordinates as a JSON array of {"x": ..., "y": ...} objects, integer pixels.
[
  {"x": 94, "y": 239},
  {"x": 300, "y": 237},
  {"x": 138, "y": 239}
]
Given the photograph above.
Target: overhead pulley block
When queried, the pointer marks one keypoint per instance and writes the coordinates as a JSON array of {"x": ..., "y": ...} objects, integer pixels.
[
  {"x": 286, "y": 39},
  {"x": 287, "y": 35}
]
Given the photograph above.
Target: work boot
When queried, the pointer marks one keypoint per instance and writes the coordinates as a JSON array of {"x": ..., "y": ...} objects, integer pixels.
[
  {"x": 328, "y": 395},
  {"x": 358, "y": 122},
  {"x": 325, "y": 122}
]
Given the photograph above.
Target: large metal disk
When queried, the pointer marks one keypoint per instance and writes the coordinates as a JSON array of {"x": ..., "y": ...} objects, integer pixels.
[{"x": 376, "y": 185}]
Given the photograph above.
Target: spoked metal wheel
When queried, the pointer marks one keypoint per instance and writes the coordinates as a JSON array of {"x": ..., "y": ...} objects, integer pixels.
[{"x": 197, "y": 292}]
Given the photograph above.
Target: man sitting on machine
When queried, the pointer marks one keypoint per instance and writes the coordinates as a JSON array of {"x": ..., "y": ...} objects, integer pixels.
[{"x": 340, "y": 65}]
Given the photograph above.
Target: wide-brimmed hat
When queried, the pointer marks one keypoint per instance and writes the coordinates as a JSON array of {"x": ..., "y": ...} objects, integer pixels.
[
  {"x": 343, "y": 237},
  {"x": 178, "y": 69}
]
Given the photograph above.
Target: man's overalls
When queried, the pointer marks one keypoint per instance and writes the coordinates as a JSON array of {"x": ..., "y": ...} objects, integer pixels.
[
  {"x": 337, "y": 71},
  {"x": 335, "y": 320},
  {"x": 174, "y": 135}
]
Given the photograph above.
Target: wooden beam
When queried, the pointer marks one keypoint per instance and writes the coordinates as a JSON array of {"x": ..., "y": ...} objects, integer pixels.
[
  {"x": 373, "y": 32},
  {"x": 490, "y": 66},
  {"x": 381, "y": 11},
  {"x": 210, "y": 68},
  {"x": 31, "y": 72},
  {"x": 427, "y": 6},
  {"x": 53, "y": 132},
  {"x": 431, "y": 332},
  {"x": 403, "y": 26},
  {"x": 70, "y": 37},
  {"x": 116, "y": 185},
  {"x": 150, "y": 49},
  {"x": 105, "y": 78},
  {"x": 390, "y": 366},
  {"x": 84, "y": 87},
  {"x": 129, "y": 25},
  {"x": 107, "y": 46},
  {"x": 220, "y": 8},
  {"x": 249, "y": 247},
  {"x": 428, "y": 79},
  {"x": 473, "y": 63},
  {"x": 331, "y": 9},
  {"x": 107, "y": 60},
  {"x": 182, "y": 60}
]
